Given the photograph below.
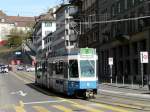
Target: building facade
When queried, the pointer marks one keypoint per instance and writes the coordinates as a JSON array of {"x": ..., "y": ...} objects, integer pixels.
[
  {"x": 63, "y": 37},
  {"x": 87, "y": 15},
  {"x": 45, "y": 25},
  {"x": 122, "y": 34},
  {"x": 7, "y": 23},
  {"x": 124, "y": 40}
]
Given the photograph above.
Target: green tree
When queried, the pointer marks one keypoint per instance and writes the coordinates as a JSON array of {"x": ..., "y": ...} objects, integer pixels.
[{"x": 17, "y": 36}]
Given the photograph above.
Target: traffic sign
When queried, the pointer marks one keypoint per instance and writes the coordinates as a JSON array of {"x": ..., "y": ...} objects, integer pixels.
[
  {"x": 144, "y": 57},
  {"x": 110, "y": 60}
]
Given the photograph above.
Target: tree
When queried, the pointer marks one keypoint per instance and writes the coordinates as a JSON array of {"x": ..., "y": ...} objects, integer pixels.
[{"x": 17, "y": 36}]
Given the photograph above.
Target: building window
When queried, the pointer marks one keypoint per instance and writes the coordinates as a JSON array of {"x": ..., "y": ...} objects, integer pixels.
[
  {"x": 125, "y": 4},
  {"x": 119, "y": 7},
  {"x": 47, "y": 32},
  {"x": 133, "y": 2},
  {"x": 113, "y": 11},
  {"x": 135, "y": 49},
  {"x": 67, "y": 43},
  {"x": 67, "y": 32},
  {"x": 48, "y": 24}
]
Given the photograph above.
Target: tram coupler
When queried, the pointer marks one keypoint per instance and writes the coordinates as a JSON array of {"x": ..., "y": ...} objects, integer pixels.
[{"x": 89, "y": 94}]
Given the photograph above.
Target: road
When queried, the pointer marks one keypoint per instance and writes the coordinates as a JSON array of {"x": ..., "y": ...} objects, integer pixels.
[{"x": 18, "y": 93}]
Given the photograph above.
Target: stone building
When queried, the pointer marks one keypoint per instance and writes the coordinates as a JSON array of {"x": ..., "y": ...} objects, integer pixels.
[{"x": 118, "y": 29}]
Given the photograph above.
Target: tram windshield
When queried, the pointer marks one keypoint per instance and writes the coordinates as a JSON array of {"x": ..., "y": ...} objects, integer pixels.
[
  {"x": 87, "y": 68},
  {"x": 73, "y": 69}
]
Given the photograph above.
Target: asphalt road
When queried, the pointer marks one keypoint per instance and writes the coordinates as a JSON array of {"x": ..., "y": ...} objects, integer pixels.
[{"x": 18, "y": 93}]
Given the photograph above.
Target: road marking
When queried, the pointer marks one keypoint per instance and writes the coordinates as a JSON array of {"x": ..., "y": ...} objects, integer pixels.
[
  {"x": 116, "y": 109},
  {"x": 123, "y": 102},
  {"x": 87, "y": 108},
  {"x": 138, "y": 95},
  {"x": 21, "y": 103},
  {"x": 20, "y": 78},
  {"x": 62, "y": 108},
  {"x": 20, "y": 92},
  {"x": 139, "y": 104},
  {"x": 20, "y": 108},
  {"x": 42, "y": 102},
  {"x": 127, "y": 106},
  {"x": 40, "y": 109},
  {"x": 108, "y": 91}
]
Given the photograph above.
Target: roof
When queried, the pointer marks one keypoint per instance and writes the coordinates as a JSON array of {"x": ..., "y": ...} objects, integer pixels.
[
  {"x": 2, "y": 13},
  {"x": 19, "y": 21}
]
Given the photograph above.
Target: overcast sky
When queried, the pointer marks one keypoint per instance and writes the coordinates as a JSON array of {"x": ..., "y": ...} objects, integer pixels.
[{"x": 26, "y": 7}]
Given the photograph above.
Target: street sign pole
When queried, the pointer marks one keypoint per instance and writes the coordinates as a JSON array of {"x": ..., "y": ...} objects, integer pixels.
[
  {"x": 142, "y": 73},
  {"x": 144, "y": 59},
  {"x": 111, "y": 74},
  {"x": 110, "y": 62}
]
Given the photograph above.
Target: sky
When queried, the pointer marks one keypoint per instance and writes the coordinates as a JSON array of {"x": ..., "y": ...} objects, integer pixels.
[{"x": 26, "y": 7}]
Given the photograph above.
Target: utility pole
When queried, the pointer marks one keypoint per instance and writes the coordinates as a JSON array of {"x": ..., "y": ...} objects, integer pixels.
[{"x": 110, "y": 62}]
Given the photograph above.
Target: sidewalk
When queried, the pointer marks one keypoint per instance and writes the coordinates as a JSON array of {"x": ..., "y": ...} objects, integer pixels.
[
  {"x": 127, "y": 86},
  {"x": 124, "y": 90}
]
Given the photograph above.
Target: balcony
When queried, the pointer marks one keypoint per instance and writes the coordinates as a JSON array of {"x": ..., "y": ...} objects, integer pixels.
[
  {"x": 72, "y": 37},
  {"x": 73, "y": 11}
]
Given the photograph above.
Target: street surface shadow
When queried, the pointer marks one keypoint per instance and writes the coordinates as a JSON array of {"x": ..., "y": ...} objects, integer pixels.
[
  {"x": 47, "y": 91},
  {"x": 146, "y": 93}
]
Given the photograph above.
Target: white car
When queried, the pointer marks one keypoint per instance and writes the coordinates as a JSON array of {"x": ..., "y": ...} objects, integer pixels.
[
  {"x": 30, "y": 69},
  {"x": 4, "y": 69}
]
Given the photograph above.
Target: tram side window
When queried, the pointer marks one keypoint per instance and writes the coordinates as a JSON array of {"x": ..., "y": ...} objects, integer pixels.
[
  {"x": 65, "y": 69},
  {"x": 73, "y": 68},
  {"x": 59, "y": 67},
  {"x": 50, "y": 68}
]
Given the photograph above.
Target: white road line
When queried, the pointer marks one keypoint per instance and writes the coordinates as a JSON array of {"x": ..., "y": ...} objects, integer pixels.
[
  {"x": 41, "y": 102},
  {"x": 108, "y": 91}
]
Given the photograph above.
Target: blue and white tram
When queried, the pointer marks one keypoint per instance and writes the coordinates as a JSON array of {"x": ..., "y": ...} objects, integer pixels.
[{"x": 72, "y": 74}]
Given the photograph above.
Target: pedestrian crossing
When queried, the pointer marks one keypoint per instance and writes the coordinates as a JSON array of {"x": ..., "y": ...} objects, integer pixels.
[{"x": 63, "y": 107}]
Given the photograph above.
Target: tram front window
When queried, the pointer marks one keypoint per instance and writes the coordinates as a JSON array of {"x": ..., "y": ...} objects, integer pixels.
[
  {"x": 87, "y": 68},
  {"x": 73, "y": 68}
]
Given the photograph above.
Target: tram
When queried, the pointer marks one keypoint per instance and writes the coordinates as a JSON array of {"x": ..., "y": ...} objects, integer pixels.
[{"x": 74, "y": 73}]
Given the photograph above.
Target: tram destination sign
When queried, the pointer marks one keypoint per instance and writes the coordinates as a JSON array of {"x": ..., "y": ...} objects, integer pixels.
[{"x": 86, "y": 52}]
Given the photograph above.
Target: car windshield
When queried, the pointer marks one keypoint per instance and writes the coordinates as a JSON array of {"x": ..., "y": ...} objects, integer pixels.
[{"x": 87, "y": 68}]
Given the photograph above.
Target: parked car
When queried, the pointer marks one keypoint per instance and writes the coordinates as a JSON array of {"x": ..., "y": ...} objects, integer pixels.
[
  {"x": 3, "y": 69},
  {"x": 30, "y": 69},
  {"x": 20, "y": 68}
]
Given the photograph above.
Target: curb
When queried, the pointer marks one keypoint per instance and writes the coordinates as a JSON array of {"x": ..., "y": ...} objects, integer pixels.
[{"x": 126, "y": 87}]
